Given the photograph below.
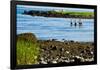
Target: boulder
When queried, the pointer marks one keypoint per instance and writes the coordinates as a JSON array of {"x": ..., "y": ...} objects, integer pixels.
[{"x": 27, "y": 37}]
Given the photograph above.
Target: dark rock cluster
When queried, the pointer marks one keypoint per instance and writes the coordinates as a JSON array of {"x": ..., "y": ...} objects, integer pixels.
[{"x": 67, "y": 52}]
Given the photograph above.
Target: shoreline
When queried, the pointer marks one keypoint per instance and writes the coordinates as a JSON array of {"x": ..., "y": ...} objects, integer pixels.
[
  {"x": 52, "y": 51},
  {"x": 63, "y": 17},
  {"x": 70, "y": 51},
  {"x": 64, "y": 40},
  {"x": 80, "y": 15}
]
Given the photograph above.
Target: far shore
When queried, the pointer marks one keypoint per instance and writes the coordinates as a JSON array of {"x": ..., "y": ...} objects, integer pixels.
[{"x": 81, "y": 15}]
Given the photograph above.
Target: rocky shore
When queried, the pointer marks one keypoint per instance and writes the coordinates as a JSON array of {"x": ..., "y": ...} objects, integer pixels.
[
  {"x": 67, "y": 52},
  {"x": 53, "y": 51}
]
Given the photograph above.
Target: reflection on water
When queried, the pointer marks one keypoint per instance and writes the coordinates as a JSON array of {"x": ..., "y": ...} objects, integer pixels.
[{"x": 56, "y": 28}]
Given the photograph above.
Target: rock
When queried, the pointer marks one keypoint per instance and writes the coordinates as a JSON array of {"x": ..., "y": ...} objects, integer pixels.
[
  {"x": 92, "y": 59},
  {"x": 72, "y": 60},
  {"x": 67, "y": 61},
  {"x": 48, "y": 60},
  {"x": 61, "y": 49},
  {"x": 67, "y": 52},
  {"x": 54, "y": 61},
  {"x": 50, "y": 46},
  {"x": 54, "y": 48},
  {"x": 92, "y": 53},
  {"x": 54, "y": 39},
  {"x": 77, "y": 60},
  {"x": 78, "y": 57},
  {"x": 60, "y": 60},
  {"x": 82, "y": 51},
  {"x": 82, "y": 60},
  {"x": 41, "y": 59},
  {"x": 63, "y": 58},
  {"x": 72, "y": 41},
  {"x": 43, "y": 62},
  {"x": 27, "y": 37},
  {"x": 66, "y": 43},
  {"x": 57, "y": 59}
]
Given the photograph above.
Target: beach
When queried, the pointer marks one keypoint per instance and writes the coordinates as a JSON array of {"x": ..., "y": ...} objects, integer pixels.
[
  {"x": 68, "y": 51},
  {"x": 53, "y": 51}
]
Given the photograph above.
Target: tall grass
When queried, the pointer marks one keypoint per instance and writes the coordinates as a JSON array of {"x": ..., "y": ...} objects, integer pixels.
[{"x": 27, "y": 52}]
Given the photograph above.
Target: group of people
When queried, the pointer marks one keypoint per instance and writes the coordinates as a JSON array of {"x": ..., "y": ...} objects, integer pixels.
[{"x": 79, "y": 23}]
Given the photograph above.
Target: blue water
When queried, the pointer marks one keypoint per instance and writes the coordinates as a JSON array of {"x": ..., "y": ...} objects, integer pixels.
[{"x": 55, "y": 28}]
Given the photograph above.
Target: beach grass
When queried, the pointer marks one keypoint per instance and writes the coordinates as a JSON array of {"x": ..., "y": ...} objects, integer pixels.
[{"x": 27, "y": 52}]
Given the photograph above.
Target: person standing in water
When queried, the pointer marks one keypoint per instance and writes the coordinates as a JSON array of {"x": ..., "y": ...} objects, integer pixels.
[{"x": 80, "y": 22}]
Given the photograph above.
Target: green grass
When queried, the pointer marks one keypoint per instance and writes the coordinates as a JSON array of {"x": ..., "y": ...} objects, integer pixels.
[
  {"x": 79, "y": 13},
  {"x": 27, "y": 52},
  {"x": 84, "y": 14}
]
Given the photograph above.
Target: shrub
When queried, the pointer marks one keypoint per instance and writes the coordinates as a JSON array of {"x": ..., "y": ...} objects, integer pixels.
[{"x": 27, "y": 51}]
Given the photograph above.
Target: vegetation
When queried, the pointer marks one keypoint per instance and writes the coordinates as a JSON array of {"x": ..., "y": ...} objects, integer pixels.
[
  {"x": 85, "y": 14},
  {"x": 32, "y": 51},
  {"x": 65, "y": 14},
  {"x": 27, "y": 50}
]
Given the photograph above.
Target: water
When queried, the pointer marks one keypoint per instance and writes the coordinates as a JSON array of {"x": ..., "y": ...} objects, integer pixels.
[{"x": 55, "y": 28}]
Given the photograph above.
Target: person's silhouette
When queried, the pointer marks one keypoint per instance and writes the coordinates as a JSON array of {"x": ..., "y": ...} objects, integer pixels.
[
  {"x": 75, "y": 23},
  {"x": 80, "y": 23}
]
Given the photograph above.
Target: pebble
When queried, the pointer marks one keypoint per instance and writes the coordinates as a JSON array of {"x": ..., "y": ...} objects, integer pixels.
[
  {"x": 43, "y": 62},
  {"x": 72, "y": 60},
  {"x": 92, "y": 59},
  {"x": 54, "y": 61},
  {"x": 56, "y": 58},
  {"x": 67, "y": 52},
  {"x": 67, "y": 61},
  {"x": 41, "y": 59},
  {"x": 91, "y": 52},
  {"x": 78, "y": 57},
  {"x": 60, "y": 60},
  {"x": 82, "y": 59}
]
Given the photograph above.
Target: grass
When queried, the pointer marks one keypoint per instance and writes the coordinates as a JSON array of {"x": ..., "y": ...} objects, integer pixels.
[
  {"x": 85, "y": 14},
  {"x": 27, "y": 52}
]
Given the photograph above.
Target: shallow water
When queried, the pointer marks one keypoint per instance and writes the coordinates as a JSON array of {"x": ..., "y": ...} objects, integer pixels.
[{"x": 55, "y": 28}]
